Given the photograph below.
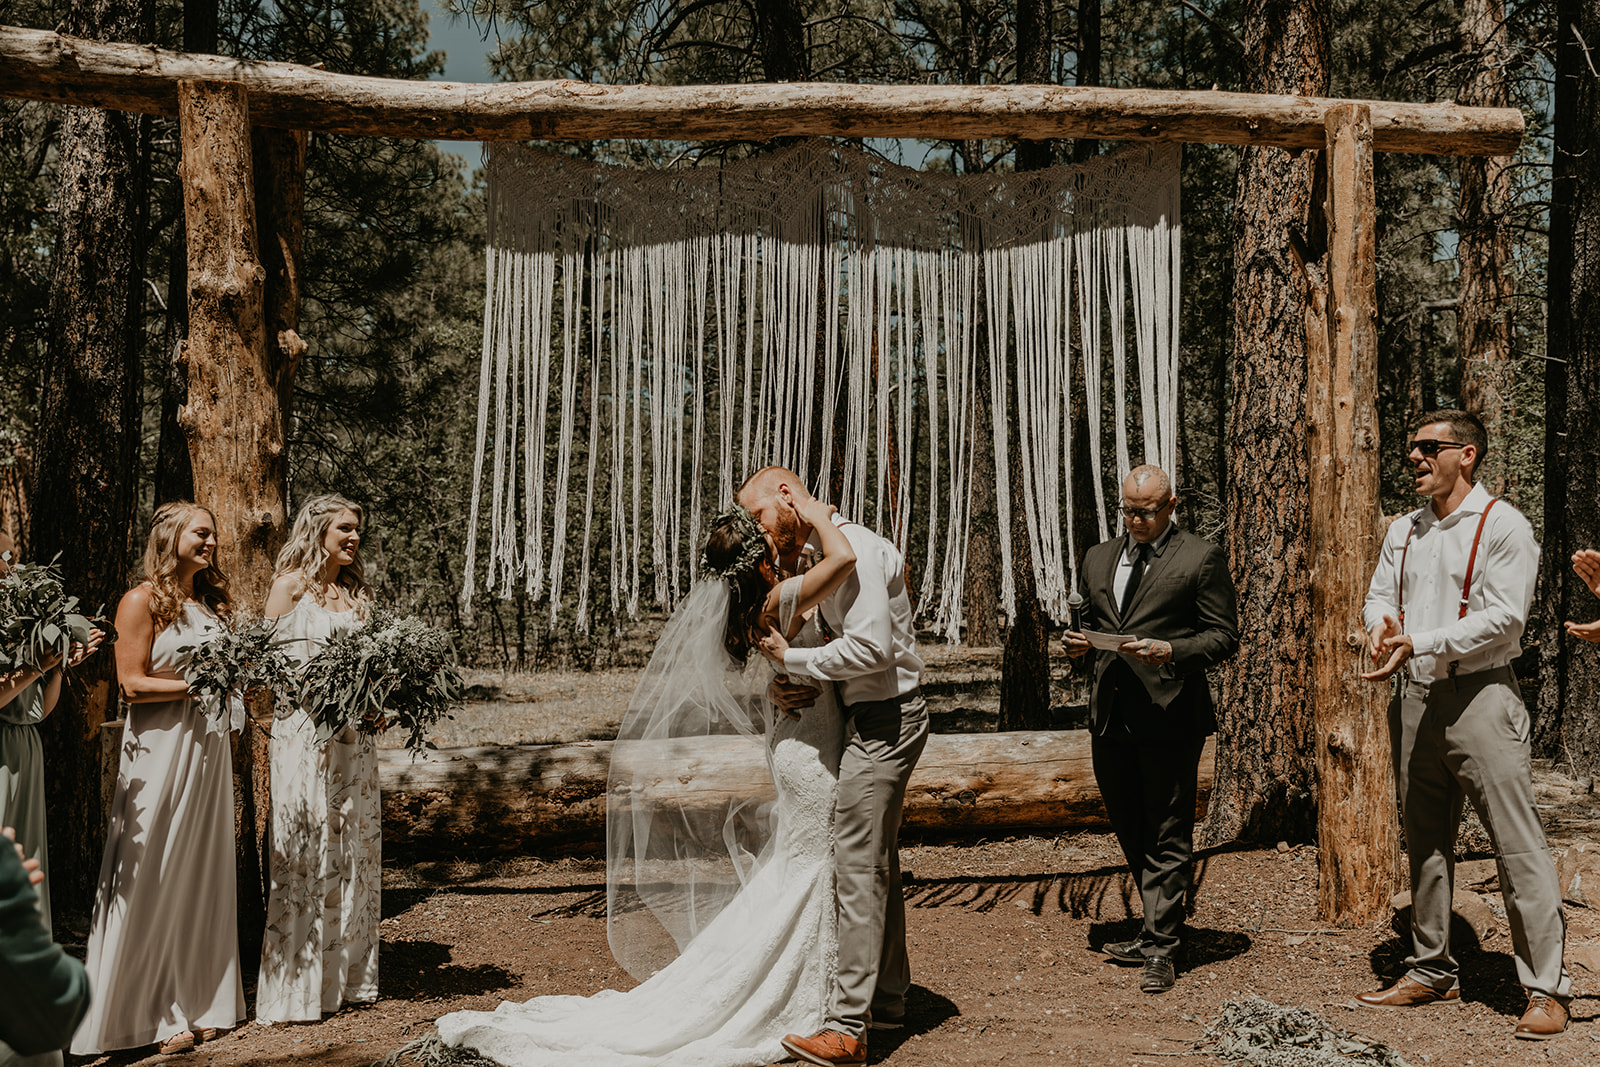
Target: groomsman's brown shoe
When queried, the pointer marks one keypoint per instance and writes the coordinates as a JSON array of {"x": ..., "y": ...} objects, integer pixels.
[
  {"x": 1408, "y": 993},
  {"x": 826, "y": 1047},
  {"x": 1545, "y": 1018}
]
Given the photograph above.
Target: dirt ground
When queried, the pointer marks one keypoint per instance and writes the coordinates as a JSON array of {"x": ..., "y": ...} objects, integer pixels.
[{"x": 1002, "y": 934}]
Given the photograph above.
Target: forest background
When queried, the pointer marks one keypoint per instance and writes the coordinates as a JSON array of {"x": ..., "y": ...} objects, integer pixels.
[{"x": 384, "y": 402}]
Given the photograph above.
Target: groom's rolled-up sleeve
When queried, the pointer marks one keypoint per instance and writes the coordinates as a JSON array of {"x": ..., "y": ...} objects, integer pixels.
[{"x": 866, "y": 645}]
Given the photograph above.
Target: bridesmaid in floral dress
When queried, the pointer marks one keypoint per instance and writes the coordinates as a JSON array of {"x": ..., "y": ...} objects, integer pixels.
[
  {"x": 321, "y": 945},
  {"x": 163, "y": 955}
]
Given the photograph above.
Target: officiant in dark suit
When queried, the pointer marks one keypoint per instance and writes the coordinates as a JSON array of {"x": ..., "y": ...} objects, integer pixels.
[{"x": 1151, "y": 709}]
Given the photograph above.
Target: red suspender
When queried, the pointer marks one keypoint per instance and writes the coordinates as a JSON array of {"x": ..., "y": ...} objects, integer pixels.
[
  {"x": 1403, "y": 552},
  {"x": 1466, "y": 588},
  {"x": 1472, "y": 561}
]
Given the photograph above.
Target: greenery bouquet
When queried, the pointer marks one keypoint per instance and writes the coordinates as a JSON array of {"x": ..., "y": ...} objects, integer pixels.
[
  {"x": 233, "y": 660},
  {"x": 38, "y": 618},
  {"x": 396, "y": 671}
]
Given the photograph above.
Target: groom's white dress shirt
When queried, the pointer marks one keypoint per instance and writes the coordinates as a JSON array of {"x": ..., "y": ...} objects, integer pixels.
[
  {"x": 873, "y": 655},
  {"x": 1490, "y": 635}
]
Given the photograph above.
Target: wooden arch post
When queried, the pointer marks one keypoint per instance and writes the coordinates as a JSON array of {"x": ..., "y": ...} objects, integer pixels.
[{"x": 1358, "y": 841}]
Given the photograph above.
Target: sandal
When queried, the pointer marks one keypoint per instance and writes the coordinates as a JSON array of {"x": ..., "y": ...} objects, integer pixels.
[
  {"x": 179, "y": 1042},
  {"x": 206, "y": 1033}
]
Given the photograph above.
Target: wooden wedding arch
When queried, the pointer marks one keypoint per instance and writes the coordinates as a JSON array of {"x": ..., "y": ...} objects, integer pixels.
[{"x": 243, "y": 127}]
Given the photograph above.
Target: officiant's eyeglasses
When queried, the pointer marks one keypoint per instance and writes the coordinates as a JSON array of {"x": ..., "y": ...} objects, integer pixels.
[
  {"x": 1432, "y": 448},
  {"x": 1145, "y": 514}
]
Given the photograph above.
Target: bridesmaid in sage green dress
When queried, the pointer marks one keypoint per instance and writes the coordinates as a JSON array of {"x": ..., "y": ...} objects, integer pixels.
[{"x": 26, "y": 697}]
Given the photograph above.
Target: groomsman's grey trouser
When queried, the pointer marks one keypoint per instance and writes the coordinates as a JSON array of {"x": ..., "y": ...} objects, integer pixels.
[
  {"x": 883, "y": 739},
  {"x": 1467, "y": 738}
]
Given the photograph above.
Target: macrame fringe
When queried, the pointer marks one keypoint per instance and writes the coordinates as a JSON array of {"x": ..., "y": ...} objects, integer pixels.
[{"x": 820, "y": 309}]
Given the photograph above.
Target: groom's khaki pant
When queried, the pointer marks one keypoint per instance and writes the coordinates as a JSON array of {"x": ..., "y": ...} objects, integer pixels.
[
  {"x": 1467, "y": 738},
  {"x": 883, "y": 739}
]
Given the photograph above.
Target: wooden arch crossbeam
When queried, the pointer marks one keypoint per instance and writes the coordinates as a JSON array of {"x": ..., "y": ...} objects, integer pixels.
[{"x": 54, "y": 67}]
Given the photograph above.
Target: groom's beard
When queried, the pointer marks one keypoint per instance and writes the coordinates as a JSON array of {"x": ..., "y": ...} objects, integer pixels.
[{"x": 786, "y": 533}]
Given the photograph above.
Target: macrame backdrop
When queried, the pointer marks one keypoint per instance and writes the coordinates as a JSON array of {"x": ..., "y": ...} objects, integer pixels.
[{"x": 653, "y": 336}]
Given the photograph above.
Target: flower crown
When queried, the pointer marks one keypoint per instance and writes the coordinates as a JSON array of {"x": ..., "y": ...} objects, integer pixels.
[{"x": 752, "y": 550}]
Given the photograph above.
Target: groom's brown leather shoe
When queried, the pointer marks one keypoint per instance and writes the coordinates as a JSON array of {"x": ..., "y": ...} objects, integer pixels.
[
  {"x": 826, "y": 1047},
  {"x": 1545, "y": 1018},
  {"x": 1408, "y": 993}
]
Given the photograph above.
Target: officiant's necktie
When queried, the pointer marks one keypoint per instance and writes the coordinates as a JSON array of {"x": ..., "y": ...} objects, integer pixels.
[{"x": 1140, "y": 551}]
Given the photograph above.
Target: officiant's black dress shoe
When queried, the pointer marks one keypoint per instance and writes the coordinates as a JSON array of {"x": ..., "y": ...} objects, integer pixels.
[
  {"x": 1158, "y": 975},
  {"x": 1125, "y": 951}
]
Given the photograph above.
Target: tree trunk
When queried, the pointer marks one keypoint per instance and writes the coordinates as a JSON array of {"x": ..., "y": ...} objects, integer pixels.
[
  {"x": 87, "y": 449},
  {"x": 1025, "y": 669},
  {"x": 174, "y": 479},
  {"x": 1089, "y": 52},
  {"x": 1483, "y": 250},
  {"x": 515, "y": 798},
  {"x": 1358, "y": 847},
  {"x": 241, "y": 355},
  {"x": 1265, "y": 758},
  {"x": 1568, "y": 724}
]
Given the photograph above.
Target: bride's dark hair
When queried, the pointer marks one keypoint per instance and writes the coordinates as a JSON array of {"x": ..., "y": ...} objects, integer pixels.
[{"x": 731, "y": 553}]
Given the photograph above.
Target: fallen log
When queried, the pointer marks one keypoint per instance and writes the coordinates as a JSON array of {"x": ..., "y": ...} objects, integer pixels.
[
  {"x": 42, "y": 65},
  {"x": 520, "y": 798}
]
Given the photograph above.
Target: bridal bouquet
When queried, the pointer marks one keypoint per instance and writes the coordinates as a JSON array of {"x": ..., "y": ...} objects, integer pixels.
[
  {"x": 38, "y": 619},
  {"x": 237, "y": 658},
  {"x": 396, "y": 671}
]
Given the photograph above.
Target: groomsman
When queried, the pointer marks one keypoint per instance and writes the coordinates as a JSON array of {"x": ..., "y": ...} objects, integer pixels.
[
  {"x": 873, "y": 660},
  {"x": 1445, "y": 611},
  {"x": 1151, "y": 709}
]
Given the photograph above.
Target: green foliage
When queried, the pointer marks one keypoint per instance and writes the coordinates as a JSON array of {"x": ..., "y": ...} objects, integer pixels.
[
  {"x": 396, "y": 671},
  {"x": 38, "y": 620},
  {"x": 235, "y": 659}
]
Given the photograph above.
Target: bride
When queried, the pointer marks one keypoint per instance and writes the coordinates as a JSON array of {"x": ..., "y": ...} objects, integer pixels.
[{"x": 724, "y": 911}]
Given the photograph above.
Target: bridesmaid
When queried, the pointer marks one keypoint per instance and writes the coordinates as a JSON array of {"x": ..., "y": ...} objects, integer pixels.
[
  {"x": 26, "y": 697},
  {"x": 321, "y": 945},
  {"x": 163, "y": 956}
]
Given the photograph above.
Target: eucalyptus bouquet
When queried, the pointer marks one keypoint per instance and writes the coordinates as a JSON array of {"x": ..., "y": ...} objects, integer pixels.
[
  {"x": 38, "y": 618},
  {"x": 396, "y": 671},
  {"x": 234, "y": 659}
]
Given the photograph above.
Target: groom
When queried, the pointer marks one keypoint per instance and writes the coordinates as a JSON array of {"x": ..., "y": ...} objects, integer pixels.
[{"x": 873, "y": 658}]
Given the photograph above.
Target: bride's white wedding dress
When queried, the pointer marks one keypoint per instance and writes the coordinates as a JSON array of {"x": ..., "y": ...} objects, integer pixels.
[{"x": 761, "y": 968}]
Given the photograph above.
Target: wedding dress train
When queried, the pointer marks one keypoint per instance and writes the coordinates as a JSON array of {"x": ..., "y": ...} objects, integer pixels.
[{"x": 762, "y": 967}]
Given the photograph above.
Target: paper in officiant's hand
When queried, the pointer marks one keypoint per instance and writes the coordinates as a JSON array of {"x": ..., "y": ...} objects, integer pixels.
[{"x": 1107, "y": 642}]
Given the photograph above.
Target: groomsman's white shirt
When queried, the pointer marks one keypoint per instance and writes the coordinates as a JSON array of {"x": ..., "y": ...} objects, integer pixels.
[
  {"x": 1435, "y": 570},
  {"x": 873, "y": 655}
]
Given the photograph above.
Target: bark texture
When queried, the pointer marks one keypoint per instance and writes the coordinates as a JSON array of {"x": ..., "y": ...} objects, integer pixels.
[
  {"x": 1568, "y": 723},
  {"x": 38, "y": 65},
  {"x": 83, "y": 489},
  {"x": 1265, "y": 756},
  {"x": 1358, "y": 853},
  {"x": 242, "y": 197},
  {"x": 516, "y": 798},
  {"x": 1483, "y": 250}
]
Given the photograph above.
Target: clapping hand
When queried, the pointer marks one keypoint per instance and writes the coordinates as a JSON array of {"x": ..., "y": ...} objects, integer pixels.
[
  {"x": 1387, "y": 640},
  {"x": 35, "y": 872},
  {"x": 1586, "y": 562}
]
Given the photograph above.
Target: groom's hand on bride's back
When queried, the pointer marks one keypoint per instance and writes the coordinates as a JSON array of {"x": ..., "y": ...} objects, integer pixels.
[{"x": 792, "y": 697}]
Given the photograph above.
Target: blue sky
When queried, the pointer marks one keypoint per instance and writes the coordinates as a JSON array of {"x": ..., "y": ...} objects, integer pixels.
[{"x": 466, "y": 60}]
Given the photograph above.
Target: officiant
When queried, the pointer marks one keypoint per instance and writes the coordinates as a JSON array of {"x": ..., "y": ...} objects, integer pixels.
[{"x": 1167, "y": 594}]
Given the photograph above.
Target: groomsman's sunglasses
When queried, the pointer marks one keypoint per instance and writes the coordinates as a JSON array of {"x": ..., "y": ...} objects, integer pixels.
[{"x": 1433, "y": 448}]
